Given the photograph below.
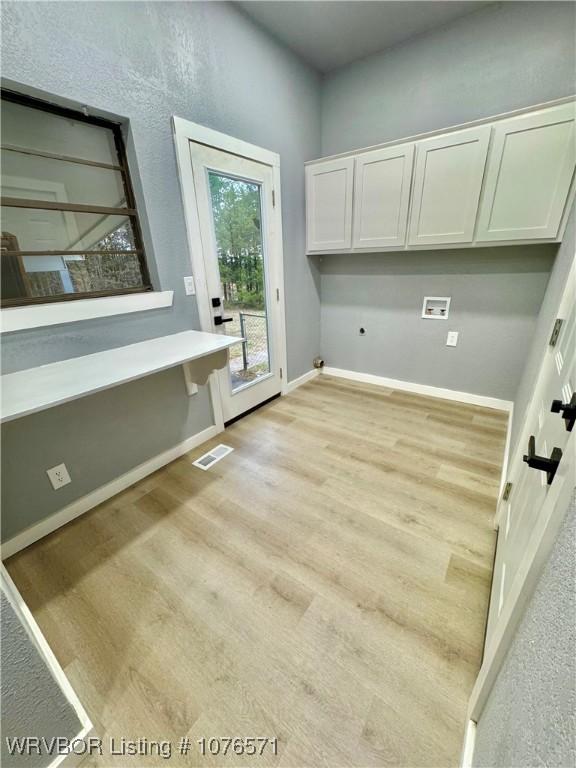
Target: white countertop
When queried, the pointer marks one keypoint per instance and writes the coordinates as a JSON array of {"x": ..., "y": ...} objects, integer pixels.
[{"x": 36, "y": 389}]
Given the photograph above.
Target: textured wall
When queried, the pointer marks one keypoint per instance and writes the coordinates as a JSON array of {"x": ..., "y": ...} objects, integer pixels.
[
  {"x": 495, "y": 301},
  {"x": 530, "y": 717},
  {"x": 206, "y": 62},
  {"x": 503, "y": 57},
  {"x": 32, "y": 702}
]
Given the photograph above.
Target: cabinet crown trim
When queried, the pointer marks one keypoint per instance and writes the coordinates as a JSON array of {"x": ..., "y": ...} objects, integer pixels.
[{"x": 447, "y": 129}]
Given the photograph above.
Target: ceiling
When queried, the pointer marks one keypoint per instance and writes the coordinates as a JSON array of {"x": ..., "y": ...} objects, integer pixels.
[{"x": 328, "y": 35}]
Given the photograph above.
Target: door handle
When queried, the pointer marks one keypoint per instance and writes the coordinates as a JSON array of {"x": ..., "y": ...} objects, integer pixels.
[
  {"x": 542, "y": 462},
  {"x": 568, "y": 411},
  {"x": 219, "y": 320}
]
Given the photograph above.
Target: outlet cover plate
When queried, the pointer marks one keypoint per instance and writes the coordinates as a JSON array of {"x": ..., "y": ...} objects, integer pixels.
[
  {"x": 59, "y": 476},
  {"x": 452, "y": 339},
  {"x": 189, "y": 286}
]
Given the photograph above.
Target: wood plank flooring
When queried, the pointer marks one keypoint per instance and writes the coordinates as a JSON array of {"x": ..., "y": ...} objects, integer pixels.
[{"x": 325, "y": 584}]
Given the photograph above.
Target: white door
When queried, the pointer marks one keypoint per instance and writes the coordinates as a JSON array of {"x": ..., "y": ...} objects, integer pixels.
[
  {"x": 329, "y": 205},
  {"x": 243, "y": 268},
  {"x": 546, "y": 432},
  {"x": 381, "y": 196},
  {"x": 447, "y": 183},
  {"x": 529, "y": 175}
]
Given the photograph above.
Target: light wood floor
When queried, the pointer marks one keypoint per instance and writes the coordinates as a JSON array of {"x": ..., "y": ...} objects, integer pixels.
[{"x": 326, "y": 584}]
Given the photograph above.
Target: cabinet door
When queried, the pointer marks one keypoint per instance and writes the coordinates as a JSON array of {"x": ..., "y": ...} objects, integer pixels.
[
  {"x": 447, "y": 183},
  {"x": 529, "y": 175},
  {"x": 329, "y": 205},
  {"x": 381, "y": 195}
]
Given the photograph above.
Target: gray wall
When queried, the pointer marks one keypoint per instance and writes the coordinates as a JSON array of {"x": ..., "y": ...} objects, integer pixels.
[
  {"x": 206, "y": 62},
  {"x": 503, "y": 57},
  {"x": 530, "y": 716},
  {"x": 32, "y": 701},
  {"x": 495, "y": 299}
]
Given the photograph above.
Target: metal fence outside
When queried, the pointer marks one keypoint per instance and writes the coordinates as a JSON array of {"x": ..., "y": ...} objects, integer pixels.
[{"x": 249, "y": 360}]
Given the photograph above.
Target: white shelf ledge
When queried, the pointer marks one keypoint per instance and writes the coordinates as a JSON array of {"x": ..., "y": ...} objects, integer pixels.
[
  {"x": 36, "y": 389},
  {"x": 61, "y": 312}
]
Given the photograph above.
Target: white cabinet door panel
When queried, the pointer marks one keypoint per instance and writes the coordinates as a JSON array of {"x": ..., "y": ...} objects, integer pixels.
[
  {"x": 329, "y": 204},
  {"x": 447, "y": 183},
  {"x": 529, "y": 175},
  {"x": 381, "y": 196}
]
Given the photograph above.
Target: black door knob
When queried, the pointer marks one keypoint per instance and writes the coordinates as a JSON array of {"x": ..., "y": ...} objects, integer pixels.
[
  {"x": 219, "y": 320},
  {"x": 568, "y": 411},
  {"x": 544, "y": 464}
]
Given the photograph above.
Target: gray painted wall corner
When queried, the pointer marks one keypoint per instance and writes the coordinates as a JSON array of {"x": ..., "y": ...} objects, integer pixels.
[
  {"x": 500, "y": 58},
  {"x": 32, "y": 702},
  {"x": 530, "y": 716}
]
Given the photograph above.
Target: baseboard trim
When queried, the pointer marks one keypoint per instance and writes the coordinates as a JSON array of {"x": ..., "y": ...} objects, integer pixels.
[
  {"x": 80, "y": 506},
  {"x": 469, "y": 743},
  {"x": 306, "y": 377},
  {"x": 422, "y": 389},
  {"x": 39, "y": 642}
]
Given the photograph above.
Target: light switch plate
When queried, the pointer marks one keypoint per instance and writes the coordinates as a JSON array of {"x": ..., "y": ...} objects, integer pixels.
[
  {"x": 189, "y": 286},
  {"x": 452, "y": 339},
  {"x": 59, "y": 476}
]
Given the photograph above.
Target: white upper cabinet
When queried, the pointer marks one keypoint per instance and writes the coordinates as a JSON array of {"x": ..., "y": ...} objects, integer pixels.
[
  {"x": 381, "y": 197},
  {"x": 329, "y": 204},
  {"x": 447, "y": 184},
  {"x": 529, "y": 175},
  {"x": 508, "y": 180}
]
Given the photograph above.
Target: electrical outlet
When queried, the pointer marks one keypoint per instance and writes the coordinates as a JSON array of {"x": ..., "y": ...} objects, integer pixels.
[
  {"x": 58, "y": 476},
  {"x": 452, "y": 339},
  {"x": 189, "y": 286}
]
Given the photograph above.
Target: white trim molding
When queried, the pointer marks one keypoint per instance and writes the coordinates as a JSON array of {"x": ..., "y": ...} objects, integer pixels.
[
  {"x": 60, "y": 312},
  {"x": 448, "y": 129},
  {"x": 306, "y": 377},
  {"x": 203, "y": 135},
  {"x": 422, "y": 389},
  {"x": 469, "y": 744},
  {"x": 186, "y": 131},
  {"x": 39, "y": 641},
  {"x": 94, "y": 498}
]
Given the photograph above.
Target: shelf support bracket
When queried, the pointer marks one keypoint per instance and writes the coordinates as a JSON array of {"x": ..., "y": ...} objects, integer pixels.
[{"x": 197, "y": 371}]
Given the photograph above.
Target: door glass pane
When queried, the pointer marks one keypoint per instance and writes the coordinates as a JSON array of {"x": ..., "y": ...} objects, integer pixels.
[{"x": 237, "y": 214}]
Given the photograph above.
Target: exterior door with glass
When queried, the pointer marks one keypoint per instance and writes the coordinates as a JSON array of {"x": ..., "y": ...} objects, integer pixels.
[{"x": 242, "y": 261}]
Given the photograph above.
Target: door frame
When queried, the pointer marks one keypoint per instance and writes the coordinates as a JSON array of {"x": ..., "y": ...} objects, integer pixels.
[
  {"x": 537, "y": 552},
  {"x": 185, "y": 132}
]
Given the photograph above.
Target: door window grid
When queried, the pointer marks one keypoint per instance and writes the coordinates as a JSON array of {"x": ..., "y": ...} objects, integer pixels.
[{"x": 70, "y": 227}]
